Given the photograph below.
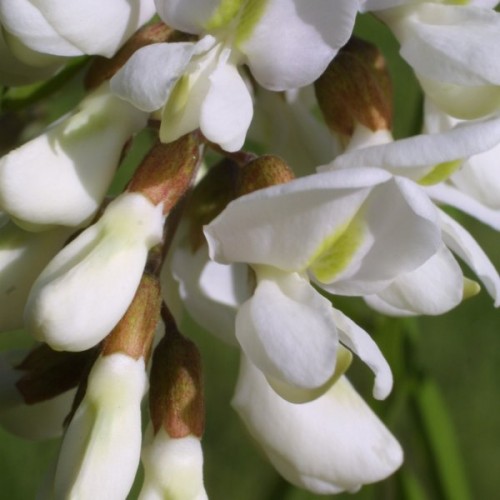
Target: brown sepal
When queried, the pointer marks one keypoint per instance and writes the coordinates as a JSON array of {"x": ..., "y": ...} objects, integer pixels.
[
  {"x": 167, "y": 171},
  {"x": 49, "y": 373},
  {"x": 264, "y": 171},
  {"x": 176, "y": 388},
  {"x": 356, "y": 88},
  {"x": 134, "y": 333}
]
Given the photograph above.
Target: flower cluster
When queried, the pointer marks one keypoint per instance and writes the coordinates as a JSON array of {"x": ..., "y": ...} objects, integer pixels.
[{"x": 271, "y": 184}]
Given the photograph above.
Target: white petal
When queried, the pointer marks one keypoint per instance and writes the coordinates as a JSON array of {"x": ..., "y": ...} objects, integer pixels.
[
  {"x": 62, "y": 176},
  {"x": 163, "y": 63},
  {"x": 181, "y": 114},
  {"x": 287, "y": 330},
  {"x": 433, "y": 288},
  {"x": 449, "y": 195},
  {"x": 467, "y": 103},
  {"x": 210, "y": 292},
  {"x": 263, "y": 227},
  {"x": 463, "y": 244},
  {"x": 85, "y": 290},
  {"x": 187, "y": 15},
  {"x": 227, "y": 109},
  {"x": 405, "y": 155},
  {"x": 23, "y": 255},
  {"x": 25, "y": 20},
  {"x": 89, "y": 27},
  {"x": 450, "y": 44},
  {"x": 100, "y": 451},
  {"x": 330, "y": 445},
  {"x": 173, "y": 468},
  {"x": 282, "y": 59},
  {"x": 401, "y": 226},
  {"x": 361, "y": 344},
  {"x": 480, "y": 177}
]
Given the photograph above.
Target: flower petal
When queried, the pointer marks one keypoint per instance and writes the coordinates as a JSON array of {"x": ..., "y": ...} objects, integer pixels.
[
  {"x": 173, "y": 468},
  {"x": 211, "y": 292},
  {"x": 425, "y": 150},
  {"x": 163, "y": 63},
  {"x": 332, "y": 444},
  {"x": 23, "y": 255},
  {"x": 287, "y": 330},
  {"x": 89, "y": 27},
  {"x": 87, "y": 287},
  {"x": 463, "y": 244},
  {"x": 263, "y": 227},
  {"x": 433, "y": 288},
  {"x": 101, "y": 448},
  {"x": 450, "y": 43},
  {"x": 187, "y": 15},
  {"x": 62, "y": 176},
  {"x": 283, "y": 59},
  {"x": 361, "y": 344},
  {"x": 449, "y": 195},
  {"x": 227, "y": 109},
  {"x": 401, "y": 226}
]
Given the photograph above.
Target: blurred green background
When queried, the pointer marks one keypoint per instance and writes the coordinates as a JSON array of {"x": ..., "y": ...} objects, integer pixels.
[{"x": 445, "y": 407}]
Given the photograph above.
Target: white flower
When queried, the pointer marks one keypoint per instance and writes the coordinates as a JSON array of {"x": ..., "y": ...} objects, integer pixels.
[
  {"x": 62, "y": 176},
  {"x": 449, "y": 47},
  {"x": 23, "y": 255},
  {"x": 200, "y": 83},
  {"x": 173, "y": 468},
  {"x": 100, "y": 451},
  {"x": 332, "y": 444},
  {"x": 431, "y": 159},
  {"x": 87, "y": 287},
  {"x": 87, "y": 27},
  {"x": 358, "y": 231}
]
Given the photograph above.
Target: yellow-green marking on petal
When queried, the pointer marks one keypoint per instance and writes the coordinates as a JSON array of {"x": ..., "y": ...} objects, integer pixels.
[
  {"x": 252, "y": 12},
  {"x": 440, "y": 172},
  {"x": 225, "y": 13},
  {"x": 336, "y": 251}
]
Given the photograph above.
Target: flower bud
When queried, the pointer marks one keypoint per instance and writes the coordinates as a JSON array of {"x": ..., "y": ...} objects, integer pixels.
[
  {"x": 62, "y": 176},
  {"x": 176, "y": 393},
  {"x": 167, "y": 171},
  {"x": 263, "y": 172},
  {"x": 85, "y": 290},
  {"x": 173, "y": 468},
  {"x": 100, "y": 451},
  {"x": 210, "y": 196},
  {"x": 356, "y": 89}
]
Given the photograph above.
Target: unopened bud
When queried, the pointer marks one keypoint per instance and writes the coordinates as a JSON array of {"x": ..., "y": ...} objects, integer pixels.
[
  {"x": 176, "y": 389},
  {"x": 210, "y": 197},
  {"x": 356, "y": 89},
  {"x": 103, "y": 68},
  {"x": 134, "y": 333},
  {"x": 167, "y": 171},
  {"x": 265, "y": 171}
]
